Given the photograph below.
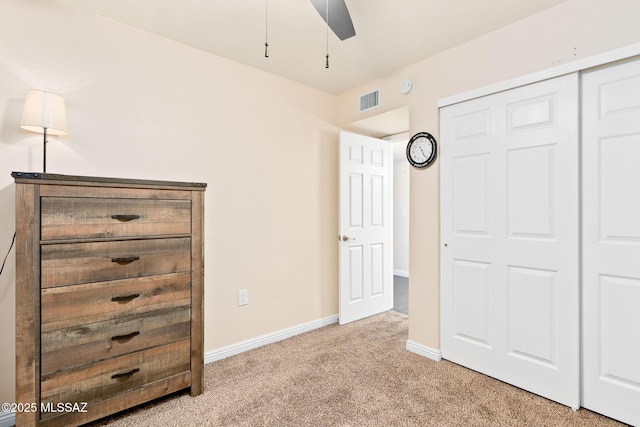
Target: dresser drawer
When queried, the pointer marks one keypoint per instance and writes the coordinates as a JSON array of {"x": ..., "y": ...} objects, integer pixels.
[
  {"x": 75, "y": 263},
  {"x": 111, "y": 377},
  {"x": 66, "y": 306},
  {"x": 62, "y": 349},
  {"x": 81, "y": 217}
]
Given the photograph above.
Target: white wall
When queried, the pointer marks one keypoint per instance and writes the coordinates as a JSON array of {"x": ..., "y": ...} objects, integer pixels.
[
  {"x": 140, "y": 106},
  {"x": 400, "y": 207}
]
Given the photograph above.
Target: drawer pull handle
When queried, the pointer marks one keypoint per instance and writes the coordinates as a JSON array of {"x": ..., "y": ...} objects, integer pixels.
[
  {"x": 125, "y": 298},
  {"x": 125, "y": 218},
  {"x": 125, "y": 337},
  {"x": 125, "y": 374},
  {"x": 125, "y": 260}
]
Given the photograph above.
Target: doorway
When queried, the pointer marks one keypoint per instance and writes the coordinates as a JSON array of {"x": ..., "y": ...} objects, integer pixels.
[
  {"x": 401, "y": 184},
  {"x": 393, "y": 126}
]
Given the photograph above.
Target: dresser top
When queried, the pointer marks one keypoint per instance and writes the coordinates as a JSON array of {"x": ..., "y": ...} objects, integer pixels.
[{"x": 56, "y": 179}]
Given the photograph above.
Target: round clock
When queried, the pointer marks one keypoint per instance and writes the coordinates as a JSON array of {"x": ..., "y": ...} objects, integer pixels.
[{"x": 421, "y": 149}]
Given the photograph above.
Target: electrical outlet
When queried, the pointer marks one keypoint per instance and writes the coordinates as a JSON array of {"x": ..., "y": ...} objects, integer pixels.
[{"x": 243, "y": 297}]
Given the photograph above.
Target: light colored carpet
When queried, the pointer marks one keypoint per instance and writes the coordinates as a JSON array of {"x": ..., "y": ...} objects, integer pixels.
[{"x": 354, "y": 375}]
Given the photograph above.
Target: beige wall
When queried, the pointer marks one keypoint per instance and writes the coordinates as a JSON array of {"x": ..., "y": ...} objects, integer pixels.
[
  {"x": 143, "y": 107},
  {"x": 573, "y": 30}
]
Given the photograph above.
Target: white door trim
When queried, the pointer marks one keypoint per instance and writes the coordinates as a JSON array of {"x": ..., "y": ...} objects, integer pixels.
[{"x": 571, "y": 67}]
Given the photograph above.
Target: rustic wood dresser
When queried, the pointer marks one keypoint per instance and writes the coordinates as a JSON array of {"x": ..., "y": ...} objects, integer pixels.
[{"x": 109, "y": 294}]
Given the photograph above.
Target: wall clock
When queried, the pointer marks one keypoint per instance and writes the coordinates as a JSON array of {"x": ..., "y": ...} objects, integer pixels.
[{"x": 421, "y": 149}]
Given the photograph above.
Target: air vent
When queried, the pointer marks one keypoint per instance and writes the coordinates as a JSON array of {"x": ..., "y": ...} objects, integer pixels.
[{"x": 370, "y": 100}]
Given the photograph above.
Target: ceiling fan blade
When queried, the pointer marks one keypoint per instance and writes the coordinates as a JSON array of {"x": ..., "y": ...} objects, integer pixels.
[{"x": 339, "y": 18}]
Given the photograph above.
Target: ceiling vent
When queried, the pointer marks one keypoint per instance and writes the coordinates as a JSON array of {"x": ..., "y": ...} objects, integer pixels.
[{"x": 370, "y": 100}]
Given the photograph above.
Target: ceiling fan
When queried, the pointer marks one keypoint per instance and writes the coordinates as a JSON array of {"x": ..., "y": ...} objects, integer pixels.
[{"x": 339, "y": 19}]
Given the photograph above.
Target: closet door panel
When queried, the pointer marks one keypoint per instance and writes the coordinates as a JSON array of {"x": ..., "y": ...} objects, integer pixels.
[
  {"x": 509, "y": 231},
  {"x": 611, "y": 240}
]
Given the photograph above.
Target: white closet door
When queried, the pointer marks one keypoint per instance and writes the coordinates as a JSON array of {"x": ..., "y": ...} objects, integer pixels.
[
  {"x": 510, "y": 235},
  {"x": 611, "y": 241}
]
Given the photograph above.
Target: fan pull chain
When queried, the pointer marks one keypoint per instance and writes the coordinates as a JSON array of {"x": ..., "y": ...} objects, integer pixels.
[
  {"x": 326, "y": 65},
  {"x": 266, "y": 28}
]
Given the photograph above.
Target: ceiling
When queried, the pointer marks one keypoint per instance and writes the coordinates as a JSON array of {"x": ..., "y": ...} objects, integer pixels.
[{"x": 389, "y": 34}]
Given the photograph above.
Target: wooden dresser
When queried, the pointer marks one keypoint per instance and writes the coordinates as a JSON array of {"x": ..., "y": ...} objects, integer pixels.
[{"x": 109, "y": 294}]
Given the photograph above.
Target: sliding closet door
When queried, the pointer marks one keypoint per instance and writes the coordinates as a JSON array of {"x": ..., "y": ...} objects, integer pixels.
[
  {"x": 611, "y": 239},
  {"x": 509, "y": 236}
]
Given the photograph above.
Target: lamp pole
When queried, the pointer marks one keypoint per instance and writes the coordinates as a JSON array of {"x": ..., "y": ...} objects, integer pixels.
[{"x": 44, "y": 154}]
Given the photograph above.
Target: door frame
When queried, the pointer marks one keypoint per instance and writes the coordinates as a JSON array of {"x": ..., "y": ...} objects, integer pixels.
[{"x": 605, "y": 58}]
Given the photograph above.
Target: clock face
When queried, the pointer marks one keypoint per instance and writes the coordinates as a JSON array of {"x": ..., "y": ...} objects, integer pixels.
[{"x": 421, "y": 149}]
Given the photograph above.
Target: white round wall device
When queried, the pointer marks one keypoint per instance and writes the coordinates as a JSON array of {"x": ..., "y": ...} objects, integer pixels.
[{"x": 405, "y": 86}]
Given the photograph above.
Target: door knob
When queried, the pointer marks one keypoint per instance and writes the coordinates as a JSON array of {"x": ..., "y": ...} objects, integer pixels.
[{"x": 346, "y": 238}]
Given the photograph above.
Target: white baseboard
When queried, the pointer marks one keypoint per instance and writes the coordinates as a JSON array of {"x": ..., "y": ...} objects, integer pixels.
[
  {"x": 7, "y": 419},
  {"x": 423, "y": 350},
  {"x": 241, "y": 347},
  {"x": 401, "y": 273}
]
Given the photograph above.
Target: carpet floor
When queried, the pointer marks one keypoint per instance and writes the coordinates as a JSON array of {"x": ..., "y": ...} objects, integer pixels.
[{"x": 359, "y": 374}]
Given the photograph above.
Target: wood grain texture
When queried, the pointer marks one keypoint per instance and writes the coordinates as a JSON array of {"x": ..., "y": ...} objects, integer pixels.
[
  {"x": 108, "y": 378},
  {"x": 82, "y": 217},
  {"x": 114, "y": 192},
  {"x": 197, "y": 294},
  {"x": 67, "y": 306},
  {"x": 57, "y": 179},
  {"x": 121, "y": 401},
  {"x": 75, "y": 263},
  {"x": 83, "y": 344},
  {"x": 109, "y": 310},
  {"x": 27, "y": 301}
]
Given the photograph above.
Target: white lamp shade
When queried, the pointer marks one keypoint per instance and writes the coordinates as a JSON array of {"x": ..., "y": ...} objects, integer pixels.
[{"x": 44, "y": 110}]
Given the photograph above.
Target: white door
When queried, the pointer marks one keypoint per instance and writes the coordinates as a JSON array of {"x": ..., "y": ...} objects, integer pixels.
[
  {"x": 366, "y": 233},
  {"x": 611, "y": 241},
  {"x": 509, "y": 235}
]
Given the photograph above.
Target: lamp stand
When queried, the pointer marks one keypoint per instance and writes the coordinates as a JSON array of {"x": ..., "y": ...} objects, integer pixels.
[{"x": 44, "y": 154}]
